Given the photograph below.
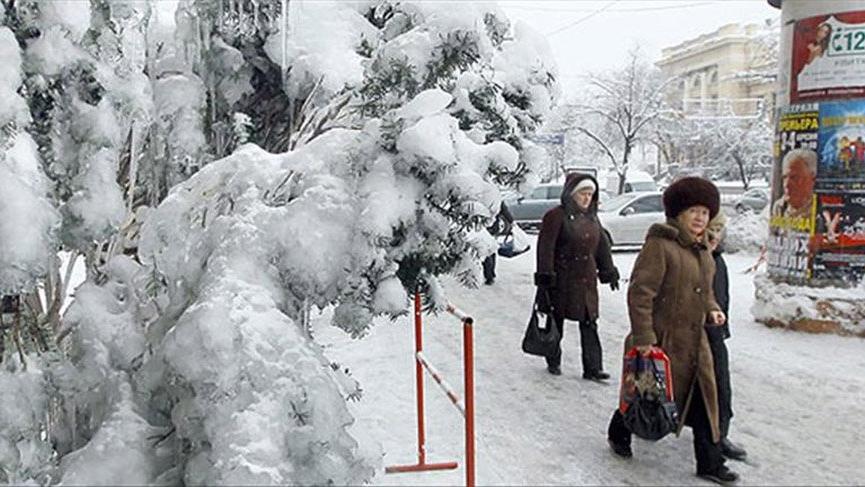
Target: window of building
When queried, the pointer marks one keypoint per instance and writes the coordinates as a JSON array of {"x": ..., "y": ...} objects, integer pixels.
[
  {"x": 714, "y": 77},
  {"x": 696, "y": 82}
]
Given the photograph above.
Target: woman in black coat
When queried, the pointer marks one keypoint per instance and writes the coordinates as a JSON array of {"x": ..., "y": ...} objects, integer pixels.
[
  {"x": 573, "y": 253},
  {"x": 718, "y": 334}
]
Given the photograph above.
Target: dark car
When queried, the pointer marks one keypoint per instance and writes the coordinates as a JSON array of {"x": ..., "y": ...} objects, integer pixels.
[{"x": 529, "y": 210}]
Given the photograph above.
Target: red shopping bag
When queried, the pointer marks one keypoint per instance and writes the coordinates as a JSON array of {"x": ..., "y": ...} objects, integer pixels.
[{"x": 641, "y": 375}]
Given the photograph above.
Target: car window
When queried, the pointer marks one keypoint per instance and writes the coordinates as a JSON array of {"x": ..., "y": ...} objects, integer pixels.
[
  {"x": 648, "y": 204},
  {"x": 554, "y": 192},
  {"x": 538, "y": 193},
  {"x": 642, "y": 186},
  {"x": 616, "y": 201}
]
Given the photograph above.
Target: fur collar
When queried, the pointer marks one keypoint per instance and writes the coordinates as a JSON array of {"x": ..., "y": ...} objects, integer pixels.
[{"x": 670, "y": 231}]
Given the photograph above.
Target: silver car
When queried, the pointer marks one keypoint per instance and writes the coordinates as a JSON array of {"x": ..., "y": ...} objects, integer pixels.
[
  {"x": 529, "y": 211},
  {"x": 628, "y": 216},
  {"x": 755, "y": 199}
]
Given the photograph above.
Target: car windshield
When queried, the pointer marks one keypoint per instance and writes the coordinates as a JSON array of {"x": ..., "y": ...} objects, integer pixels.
[
  {"x": 642, "y": 185},
  {"x": 615, "y": 202}
]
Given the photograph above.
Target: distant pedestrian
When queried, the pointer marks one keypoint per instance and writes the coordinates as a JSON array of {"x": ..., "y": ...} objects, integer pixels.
[
  {"x": 573, "y": 254},
  {"x": 717, "y": 336},
  {"x": 670, "y": 300},
  {"x": 502, "y": 225}
]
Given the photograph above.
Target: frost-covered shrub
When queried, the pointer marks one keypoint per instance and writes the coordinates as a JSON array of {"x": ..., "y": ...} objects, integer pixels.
[
  {"x": 746, "y": 232},
  {"x": 28, "y": 220}
]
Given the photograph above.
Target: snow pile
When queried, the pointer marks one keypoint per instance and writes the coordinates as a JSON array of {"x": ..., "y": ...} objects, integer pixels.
[
  {"x": 747, "y": 232},
  {"x": 810, "y": 308}
]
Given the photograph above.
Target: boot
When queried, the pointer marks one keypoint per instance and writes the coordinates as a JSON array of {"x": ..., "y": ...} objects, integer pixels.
[
  {"x": 598, "y": 376},
  {"x": 733, "y": 451},
  {"x": 621, "y": 449},
  {"x": 554, "y": 369},
  {"x": 722, "y": 475}
]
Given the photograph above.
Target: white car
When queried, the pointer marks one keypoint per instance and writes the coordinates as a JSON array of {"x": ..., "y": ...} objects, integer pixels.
[{"x": 628, "y": 216}]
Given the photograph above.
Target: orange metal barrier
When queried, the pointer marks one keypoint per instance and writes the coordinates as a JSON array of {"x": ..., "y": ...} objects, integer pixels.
[{"x": 467, "y": 409}]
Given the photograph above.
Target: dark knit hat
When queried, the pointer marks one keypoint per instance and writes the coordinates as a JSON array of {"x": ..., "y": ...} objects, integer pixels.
[{"x": 688, "y": 192}]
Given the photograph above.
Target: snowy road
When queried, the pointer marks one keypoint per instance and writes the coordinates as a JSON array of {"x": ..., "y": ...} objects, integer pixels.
[{"x": 797, "y": 397}]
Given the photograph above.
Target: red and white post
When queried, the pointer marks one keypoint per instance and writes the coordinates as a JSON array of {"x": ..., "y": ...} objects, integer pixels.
[{"x": 467, "y": 409}]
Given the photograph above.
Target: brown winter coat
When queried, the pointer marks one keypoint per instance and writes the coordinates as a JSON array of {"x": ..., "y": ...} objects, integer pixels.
[
  {"x": 669, "y": 298},
  {"x": 573, "y": 253}
]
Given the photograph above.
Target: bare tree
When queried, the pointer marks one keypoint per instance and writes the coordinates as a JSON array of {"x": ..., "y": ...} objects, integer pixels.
[{"x": 621, "y": 108}]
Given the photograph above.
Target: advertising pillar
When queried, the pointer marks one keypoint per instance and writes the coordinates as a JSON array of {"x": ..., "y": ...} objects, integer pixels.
[{"x": 816, "y": 246}]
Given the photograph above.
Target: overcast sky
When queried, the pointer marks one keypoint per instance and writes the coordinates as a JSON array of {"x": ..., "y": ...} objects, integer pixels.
[{"x": 595, "y": 35}]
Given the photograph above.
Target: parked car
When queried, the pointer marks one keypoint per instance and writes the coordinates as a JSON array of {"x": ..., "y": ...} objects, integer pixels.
[
  {"x": 628, "y": 216},
  {"x": 755, "y": 199},
  {"x": 528, "y": 211}
]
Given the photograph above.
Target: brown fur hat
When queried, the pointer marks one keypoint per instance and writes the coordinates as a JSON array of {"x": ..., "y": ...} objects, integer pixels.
[{"x": 691, "y": 191}]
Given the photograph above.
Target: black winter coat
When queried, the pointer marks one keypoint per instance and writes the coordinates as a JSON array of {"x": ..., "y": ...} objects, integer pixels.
[{"x": 721, "y": 286}]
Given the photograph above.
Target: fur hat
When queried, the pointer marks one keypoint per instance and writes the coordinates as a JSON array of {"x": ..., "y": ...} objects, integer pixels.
[{"x": 688, "y": 192}]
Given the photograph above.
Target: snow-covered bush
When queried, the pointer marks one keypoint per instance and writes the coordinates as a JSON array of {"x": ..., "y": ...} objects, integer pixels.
[
  {"x": 190, "y": 363},
  {"x": 28, "y": 219},
  {"x": 747, "y": 232}
]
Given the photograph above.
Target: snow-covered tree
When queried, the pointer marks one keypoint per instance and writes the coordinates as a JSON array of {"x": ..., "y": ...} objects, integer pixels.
[
  {"x": 190, "y": 363},
  {"x": 619, "y": 110}
]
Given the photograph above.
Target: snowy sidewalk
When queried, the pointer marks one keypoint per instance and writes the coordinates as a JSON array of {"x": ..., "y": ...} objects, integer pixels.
[{"x": 795, "y": 396}]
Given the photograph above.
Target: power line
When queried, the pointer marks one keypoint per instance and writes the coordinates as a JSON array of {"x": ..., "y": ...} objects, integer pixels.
[
  {"x": 632, "y": 9},
  {"x": 583, "y": 19}
]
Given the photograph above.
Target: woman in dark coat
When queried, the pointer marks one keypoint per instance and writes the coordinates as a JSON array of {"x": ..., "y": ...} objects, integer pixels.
[
  {"x": 718, "y": 335},
  {"x": 573, "y": 254},
  {"x": 670, "y": 302}
]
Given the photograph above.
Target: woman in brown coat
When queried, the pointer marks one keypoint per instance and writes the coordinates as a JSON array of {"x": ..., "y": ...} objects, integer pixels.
[
  {"x": 573, "y": 254},
  {"x": 670, "y": 301}
]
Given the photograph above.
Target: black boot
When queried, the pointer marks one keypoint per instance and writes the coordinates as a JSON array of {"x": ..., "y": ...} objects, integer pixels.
[
  {"x": 554, "y": 369},
  {"x": 598, "y": 376},
  {"x": 618, "y": 436},
  {"x": 621, "y": 449},
  {"x": 722, "y": 475},
  {"x": 733, "y": 451}
]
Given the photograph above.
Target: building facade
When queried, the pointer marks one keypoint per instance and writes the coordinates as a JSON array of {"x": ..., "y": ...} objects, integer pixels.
[{"x": 726, "y": 73}]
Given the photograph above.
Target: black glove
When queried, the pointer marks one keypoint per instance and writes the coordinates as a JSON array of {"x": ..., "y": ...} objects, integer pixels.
[
  {"x": 543, "y": 302},
  {"x": 614, "y": 285},
  {"x": 609, "y": 277}
]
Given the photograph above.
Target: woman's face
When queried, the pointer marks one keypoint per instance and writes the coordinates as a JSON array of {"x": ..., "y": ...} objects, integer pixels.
[
  {"x": 823, "y": 32},
  {"x": 583, "y": 198},
  {"x": 694, "y": 219}
]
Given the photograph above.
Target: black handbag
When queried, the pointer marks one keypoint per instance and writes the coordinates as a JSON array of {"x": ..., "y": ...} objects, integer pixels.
[
  {"x": 541, "y": 341},
  {"x": 506, "y": 248},
  {"x": 651, "y": 415}
]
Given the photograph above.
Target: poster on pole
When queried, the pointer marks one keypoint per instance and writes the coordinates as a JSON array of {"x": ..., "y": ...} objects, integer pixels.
[
  {"x": 839, "y": 239},
  {"x": 828, "y": 58},
  {"x": 791, "y": 222},
  {"x": 841, "y": 146}
]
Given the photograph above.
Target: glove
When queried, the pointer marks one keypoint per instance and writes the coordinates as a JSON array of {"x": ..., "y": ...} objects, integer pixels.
[
  {"x": 609, "y": 277},
  {"x": 614, "y": 285},
  {"x": 542, "y": 300}
]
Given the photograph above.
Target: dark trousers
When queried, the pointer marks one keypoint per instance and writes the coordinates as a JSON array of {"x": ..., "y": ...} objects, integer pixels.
[
  {"x": 590, "y": 346},
  {"x": 706, "y": 452},
  {"x": 489, "y": 266},
  {"x": 722, "y": 377}
]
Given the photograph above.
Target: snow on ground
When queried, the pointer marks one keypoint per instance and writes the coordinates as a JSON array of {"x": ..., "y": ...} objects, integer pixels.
[{"x": 795, "y": 396}]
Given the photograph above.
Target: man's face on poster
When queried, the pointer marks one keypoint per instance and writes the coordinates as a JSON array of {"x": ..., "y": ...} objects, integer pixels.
[{"x": 798, "y": 184}]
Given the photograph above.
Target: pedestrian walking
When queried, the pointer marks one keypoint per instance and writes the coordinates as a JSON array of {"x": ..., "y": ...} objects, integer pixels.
[
  {"x": 502, "y": 225},
  {"x": 717, "y": 336},
  {"x": 573, "y": 253},
  {"x": 670, "y": 300}
]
